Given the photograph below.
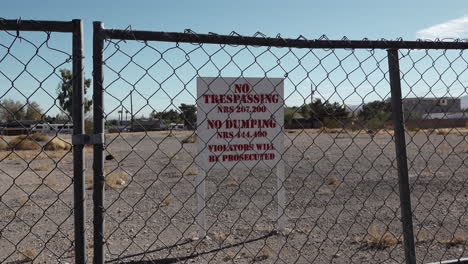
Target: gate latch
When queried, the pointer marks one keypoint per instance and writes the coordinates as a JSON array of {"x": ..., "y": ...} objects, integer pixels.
[{"x": 88, "y": 139}]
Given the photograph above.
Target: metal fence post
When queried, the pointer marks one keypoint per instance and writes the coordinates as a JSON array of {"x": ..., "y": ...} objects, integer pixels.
[
  {"x": 400, "y": 147},
  {"x": 98, "y": 161},
  {"x": 78, "y": 154}
]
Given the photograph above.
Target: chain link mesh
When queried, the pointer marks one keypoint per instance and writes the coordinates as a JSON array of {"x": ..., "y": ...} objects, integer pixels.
[
  {"x": 36, "y": 199},
  {"x": 341, "y": 175}
]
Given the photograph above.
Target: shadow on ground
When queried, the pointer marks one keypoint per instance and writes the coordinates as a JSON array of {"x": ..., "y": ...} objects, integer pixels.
[{"x": 181, "y": 258}]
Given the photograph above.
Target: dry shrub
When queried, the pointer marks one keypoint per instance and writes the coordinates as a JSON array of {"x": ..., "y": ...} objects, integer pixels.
[
  {"x": 52, "y": 181},
  {"x": 333, "y": 180},
  {"x": 171, "y": 155},
  {"x": 456, "y": 239},
  {"x": 57, "y": 144},
  {"x": 40, "y": 137},
  {"x": 29, "y": 253},
  {"x": 424, "y": 236},
  {"x": 263, "y": 255},
  {"x": 167, "y": 200},
  {"x": 190, "y": 139},
  {"x": 188, "y": 172},
  {"x": 325, "y": 191},
  {"x": 379, "y": 239},
  {"x": 413, "y": 129},
  {"x": 22, "y": 143},
  {"x": 443, "y": 131},
  {"x": 116, "y": 179},
  {"x": 332, "y": 130},
  {"x": 33, "y": 154},
  {"x": 229, "y": 256},
  {"x": 23, "y": 199},
  {"x": 88, "y": 148},
  {"x": 3, "y": 144},
  {"x": 42, "y": 167},
  {"x": 232, "y": 182}
]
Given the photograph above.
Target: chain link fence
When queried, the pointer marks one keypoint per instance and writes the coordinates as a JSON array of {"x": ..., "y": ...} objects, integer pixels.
[
  {"x": 36, "y": 162},
  {"x": 345, "y": 191},
  {"x": 341, "y": 170}
]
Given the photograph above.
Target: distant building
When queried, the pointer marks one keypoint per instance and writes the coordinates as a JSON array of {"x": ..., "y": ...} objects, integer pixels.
[
  {"x": 456, "y": 115},
  {"x": 144, "y": 125},
  {"x": 18, "y": 127},
  {"x": 418, "y": 108}
]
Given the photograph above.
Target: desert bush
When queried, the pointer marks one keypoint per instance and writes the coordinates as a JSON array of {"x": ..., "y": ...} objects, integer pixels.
[
  {"x": 375, "y": 123},
  {"x": 331, "y": 123},
  {"x": 168, "y": 200},
  {"x": 22, "y": 143},
  {"x": 57, "y": 144},
  {"x": 456, "y": 239},
  {"x": 190, "y": 139},
  {"x": 413, "y": 129},
  {"x": 332, "y": 130},
  {"x": 3, "y": 144},
  {"x": 40, "y": 137},
  {"x": 379, "y": 239},
  {"x": 325, "y": 191},
  {"x": 29, "y": 253},
  {"x": 263, "y": 255},
  {"x": 333, "y": 180},
  {"x": 116, "y": 179},
  {"x": 42, "y": 167},
  {"x": 443, "y": 131},
  {"x": 188, "y": 172},
  {"x": 353, "y": 126}
]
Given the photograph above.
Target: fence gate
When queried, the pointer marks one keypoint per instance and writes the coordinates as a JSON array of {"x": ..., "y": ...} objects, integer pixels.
[
  {"x": 347, "y": 177},
  {"x": 37, "y": 200}
]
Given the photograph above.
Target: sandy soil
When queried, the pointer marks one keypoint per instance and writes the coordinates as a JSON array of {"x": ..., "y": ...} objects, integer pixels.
[{"x": 342, "y": 191}]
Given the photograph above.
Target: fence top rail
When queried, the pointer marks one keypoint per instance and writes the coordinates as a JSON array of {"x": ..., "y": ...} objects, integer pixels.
[
  {"x": 36, "y": 25},
  {"x": 260, "y": 40}
]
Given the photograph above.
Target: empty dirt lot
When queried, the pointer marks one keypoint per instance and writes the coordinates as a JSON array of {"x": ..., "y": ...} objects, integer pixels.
[{"x": 342, "y": 201}]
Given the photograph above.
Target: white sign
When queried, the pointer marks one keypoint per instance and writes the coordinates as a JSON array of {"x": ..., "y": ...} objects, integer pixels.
[
  {"x": 240, "y": 122},
  {"x": 239, "y": 125}
]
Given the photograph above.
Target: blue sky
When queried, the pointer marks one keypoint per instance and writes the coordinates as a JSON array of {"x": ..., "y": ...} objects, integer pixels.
[{"x": 353, "y": 19}]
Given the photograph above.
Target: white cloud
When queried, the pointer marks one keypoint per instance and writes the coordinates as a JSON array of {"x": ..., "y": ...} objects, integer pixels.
[{"x": 455, "y": 28}]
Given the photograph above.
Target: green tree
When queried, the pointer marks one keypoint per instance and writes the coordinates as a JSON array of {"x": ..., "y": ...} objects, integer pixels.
[
  {"x": 319, "y": 110},
  {"x": 189, "y": 115},
  {"x": 65, "y": 92},
  {"x": 289, "y": 115},
  {"x": 381, "y": 110},
  {"x": 170, "y": 116},
  {"x": 11, "y": 110},
  {"x": 34, "y": 112}
]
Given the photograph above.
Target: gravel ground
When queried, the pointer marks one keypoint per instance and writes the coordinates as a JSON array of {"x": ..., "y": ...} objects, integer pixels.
[{"x": 342, "y": 194}]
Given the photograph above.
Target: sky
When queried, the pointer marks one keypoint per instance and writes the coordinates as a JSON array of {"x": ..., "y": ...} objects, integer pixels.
[{"x": 409, "y": 20}]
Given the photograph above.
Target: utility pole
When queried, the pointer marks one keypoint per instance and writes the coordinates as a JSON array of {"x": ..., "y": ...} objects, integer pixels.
[
  {"x": 312, "y": 91},
  {"x": 131, "y": 110}
]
